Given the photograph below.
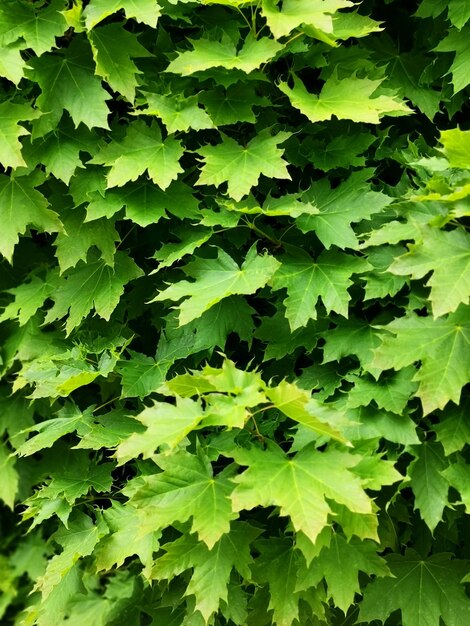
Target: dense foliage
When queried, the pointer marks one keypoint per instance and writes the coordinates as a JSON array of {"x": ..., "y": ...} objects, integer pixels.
[{"x": 234, "y": 312}]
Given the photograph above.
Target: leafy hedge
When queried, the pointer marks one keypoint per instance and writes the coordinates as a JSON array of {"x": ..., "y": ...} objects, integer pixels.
[{"x": 234, "y": 312}]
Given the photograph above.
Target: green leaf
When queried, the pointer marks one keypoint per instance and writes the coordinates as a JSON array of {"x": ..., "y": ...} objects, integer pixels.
[
  {"x": 278, "y": 565},
  {"x": 186, "y": 489},
  {"x": 10, "y": 477},
  {"x": 211, "y": 568},
  {"x": 68, "y": 420},
  {"x": 429, "y": 487},
  {"x": 458, "y": 43},
  {"x": 424, "y": 590},
  {"x": 166, "y": 424},
  {"x": 453, "y": 429},
  {"x": 67, "y": 81},
  {"x": 231, "y": 105},
  {"x": 141, "y": 150},
  {"x": 343, "y": 583},
  {"x": 78, "y": 237},
  {"x": 350, "y": 202},
  {"x": 21, "y": 205},
  {"x": 458, "y": 475},
  {"x": 178, "y": 113},
  {"x": 391, "y": 393},
  {"x": 29, "y": 297},
  {"x": 38, "y": 26},
  {"x": 295, "y": 13},
  {"x": 447, "y": 255},
  {"x": 456, "y": 147},
  {"x": 306, "y": 280},
  {"x": 207, "y": 53},
  {"x": 459, "y": 13},
  {"x": 347, "y": 99},
  {"x": 241, "y": 166},
  {"x": 145, "y": 11},
  {"x": 113, "y": 49},
  {"x": 215, "y": 279},
  {"x": 341, "y": 151},
  {"x": 300, "y": 407},
  {"x": 127, "y": 537},
  {"x": 89, "y": 286},
  {"x": 442, "y": 347},
  {"x": 299, "y": 485},
  {"x": 11, "y": 131},
  {"x": 12, "y": 65},
  {"x": 60, "y": 150}
]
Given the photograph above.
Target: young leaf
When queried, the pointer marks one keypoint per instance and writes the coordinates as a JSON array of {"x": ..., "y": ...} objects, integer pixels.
[
  {"x": 207, "y": 53},
  {"x": 178, "y": 113},
  {"x": 347, "y": 99},
  {"x": 294, "y": 13},
  {"x": 146, "y": 11},
  {"x": 167, "y": 425},
  {"x": 241, "y": 166}
]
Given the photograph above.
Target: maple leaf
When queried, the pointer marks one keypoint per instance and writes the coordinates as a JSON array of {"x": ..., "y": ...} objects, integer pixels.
[
  {"x": 350, "y": 202},
  {"x": 341, "y": 151},
  {"x": 215, "y": 279},
  {"x": 278, "y": 565},
  {"x": 21, "y": 205},
  {"x": 456, "y": 147},
  {"x": 60, "y": 150},
  {"x": 166, "y": 424},
  {"x": 429, "y": 486},
  {"x": 211, "y": 568},
  {"x": 391, "y": 393},
  {"x": 447, "y": 255},
  {"x": 361, "y": 556},
  {"x": 306, "y": 280},
  {"x": 142, "y": 149},
  {"x": 453, "y": 430},
  {"x": 442, "y": 347},
  {"x": 29, "y": 296},
  {"x": 10, "y": 477},
  {"x": 241, "y": 166},
  {"x": 294, "y": 13},
  {"x": 231, "y": 105},
  {"x": 78, "y": 237},
  {"x": 424, "y": 590},
  {"x": 299, "y": 485},
  {"x": 89, "y": 286},
  {"x": 145, "y": 11},
  {"x": 186, "y": 489},
  {"x": 12, "y": 65},
  {"x": 458, "y": 475},
  {"x": 207, "y": 53},
  {"x": 38, "y": 26},
  {"x": 11, "y": 131},
  {"x": 347, "y": 99},
  {"x": 113, "y": 49},
  {"x": 67, "y": 81},
  {"x": 178, "y": 113},
  {"x": 457, "y": 42},
  {"x": 126, "y": 538}
]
